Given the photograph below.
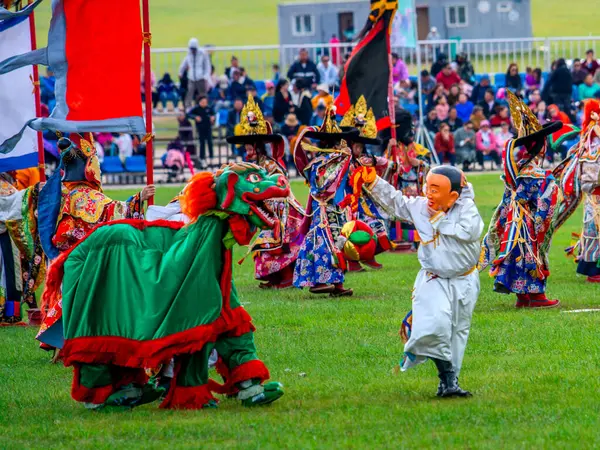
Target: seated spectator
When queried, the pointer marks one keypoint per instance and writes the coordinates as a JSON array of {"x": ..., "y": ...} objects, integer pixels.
[
  {"x": 447, "y": 77},
  {"x": 235, "y": 64},
  {"x": 301, "y": 97},
  {"x": 304, "y": 69},
  {"x": 465, "y": 69},
  {"x": 268, "y": 99},
  {"x": 588, "y": 88},
  {"x": 318, "y": 116},
  {"x": 533, "y": 80},
  {"x": 323, "y": 96},
  {"x": 578, "y": 72},
  {"x": 104, "y": 139},
  {"x": 343, "y": 66},
  {"x": 185, "y": 133},
  {"x": 485, "y": 144},
  {"x": 251, "y": 90},
  {"x": 442, "y": 108},
  {"x": 276, "y": 73},
  {"x": 590, "y": 63},
  {"x": 290, "y": 127},
  {"x": 478, "y": 95},
  {"x": 47, "y": 85},
  {"x": 152, "y": 86},
  {"x": 502, "y": 116},
  {"x": 477, "y": 117},
  {"x": 453, "y": 121},
  {"x": 245, "y": 80},
  {"x": 432, "y": 123},
  {"x": 541, "y": 112},
  {"x": 444, "y": 145},
  {"x": 503, "y": 136},
  {"x": 464, "y": 139},
  {"x": 237, "y": 88},
  {"x": 559, "y": 88},
  {"x": 535, "y": 97},
  {"x": 399, "y": 71},
  {"x": 555, "y": 114},
  {"x": 453, "y": 95},
  {"x": 167, "y": 92},
  {"x": 513, "y": 79},
  {"x": 204, "y": 117},
  {"x": 283, "y": 101},
  {"x": 465, "y": 88},
  {"x": 439, "y": 64},
  {"x": 124, "y": 146},
  {"x": 220, "y": 96},
  {"x": 174, "y": 161},
  {"x": 464, "y": 108},
  {"x": 488, "y": 104},
  {"x": 427, "y": 83},
  {"x": 233, "y": 119},
  {"x": 328, "y": 72},
  {"x": 213, "y": 79},
  {"x": 435, "y": 95}
]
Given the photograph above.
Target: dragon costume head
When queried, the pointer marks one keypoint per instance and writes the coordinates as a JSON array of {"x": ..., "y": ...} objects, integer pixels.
[{"x": 239, "y": 189}]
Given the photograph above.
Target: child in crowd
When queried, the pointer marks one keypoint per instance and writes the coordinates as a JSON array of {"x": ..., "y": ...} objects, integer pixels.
[
  {"x": 442, "y": 108},
  {"x": 204, "y": 117},
  {"x": 444, "y": 145},
  {"x": 486, "y": 144},
  {"x": 447, "y": 286}
]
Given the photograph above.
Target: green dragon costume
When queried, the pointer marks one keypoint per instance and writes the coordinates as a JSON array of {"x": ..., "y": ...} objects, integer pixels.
[{"x": 139, "y": 294}]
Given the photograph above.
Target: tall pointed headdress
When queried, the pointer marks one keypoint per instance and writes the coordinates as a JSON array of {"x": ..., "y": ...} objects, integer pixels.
[
  {"x": 363, "y": 119},
  {"x": 254, "y": 128},
  {"x": 330, "y": 131},
  {"x": 529, "y": 129}
]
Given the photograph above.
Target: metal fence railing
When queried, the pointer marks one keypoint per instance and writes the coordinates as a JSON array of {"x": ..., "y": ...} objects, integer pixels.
[{"x": 487, "y": 55}]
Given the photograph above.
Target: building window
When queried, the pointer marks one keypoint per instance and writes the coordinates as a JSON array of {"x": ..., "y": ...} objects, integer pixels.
[
  {"x": 303, "y": 25},
  {"x": 457, "y": 16}
]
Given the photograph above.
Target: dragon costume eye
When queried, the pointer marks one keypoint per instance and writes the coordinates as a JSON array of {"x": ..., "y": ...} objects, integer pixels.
[{"x": 254, "y": 178}]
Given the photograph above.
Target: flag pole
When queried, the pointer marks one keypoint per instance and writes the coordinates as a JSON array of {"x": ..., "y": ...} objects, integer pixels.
[
  {"x": 36, "y": 93},
  {"x": 147, "y": 37}
]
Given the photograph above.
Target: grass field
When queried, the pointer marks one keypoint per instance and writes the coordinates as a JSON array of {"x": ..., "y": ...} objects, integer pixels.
[
  {"x": 243, "y": 22},
  {"x": 534, "y": 374}
]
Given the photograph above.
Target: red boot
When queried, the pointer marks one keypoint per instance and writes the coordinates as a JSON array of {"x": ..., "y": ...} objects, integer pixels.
[
  {"x": 536, "y": 301},
  {"x": 522, "y": 301},
  {"x": 594, "y": 279},
  {"x": 373, "y": 264},
  {"x": 353, "y": 266},
  {"x": 340, "y": 291}
]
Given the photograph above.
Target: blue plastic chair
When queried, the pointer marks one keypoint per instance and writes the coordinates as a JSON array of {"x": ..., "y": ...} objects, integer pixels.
[
  {"x": 112, "y": 164},
  {"x": 411, "y": 108},
  {"x": 222, "y": 117},
  {"x": 135, "y": 164},
  {"x": 523, "y": 76},
  {"x": 545, "y": 76},
  {"x": 500, "y": 79},
  {"x": 413, "y": 78}
]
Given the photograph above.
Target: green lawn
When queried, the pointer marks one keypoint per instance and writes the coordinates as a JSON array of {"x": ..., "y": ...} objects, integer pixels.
[
  {"x": 244, "y": 22},
  {"x": 534, "y": 374}
]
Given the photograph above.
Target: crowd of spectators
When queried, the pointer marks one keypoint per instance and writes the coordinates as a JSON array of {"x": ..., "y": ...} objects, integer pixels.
[
  {"x": 467, "y": 117},
  {"x": 466, "y": 114}
]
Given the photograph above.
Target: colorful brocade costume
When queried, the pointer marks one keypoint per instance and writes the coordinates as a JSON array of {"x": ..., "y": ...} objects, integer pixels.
[
  {"x": 275, "y": 250},
  {"x": 321, "y": 264},
  {"x": 162, "y": 292},
  {"x": 581, "y": 179},
  {"x": 22, "y": 265},
  {"x": 518, "y": 240}
]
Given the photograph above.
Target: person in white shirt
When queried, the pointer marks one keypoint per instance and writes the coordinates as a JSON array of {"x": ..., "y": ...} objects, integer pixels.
[
  {"x": 447, "y": 286},
  {"x": 125, "y": 146},
  {"x": 198, "y": 68},
  {"x": 329, "y": 73}
]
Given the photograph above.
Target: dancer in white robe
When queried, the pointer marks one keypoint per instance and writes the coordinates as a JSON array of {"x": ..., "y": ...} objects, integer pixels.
[{"x": 447, "y": 286}]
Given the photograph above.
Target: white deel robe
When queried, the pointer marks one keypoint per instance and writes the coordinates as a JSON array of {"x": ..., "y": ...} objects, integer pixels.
[{"x": 447, "y": 286}]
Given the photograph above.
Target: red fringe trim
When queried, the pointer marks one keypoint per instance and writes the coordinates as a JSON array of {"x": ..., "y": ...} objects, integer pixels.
[
  {"x": 140, "y": 354},
  {"x": 254, "y": 369},
  {"x": 187, "y": 397},
  {"x": 55, "y": 274},
  {"x": 99, "y": 394}
]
